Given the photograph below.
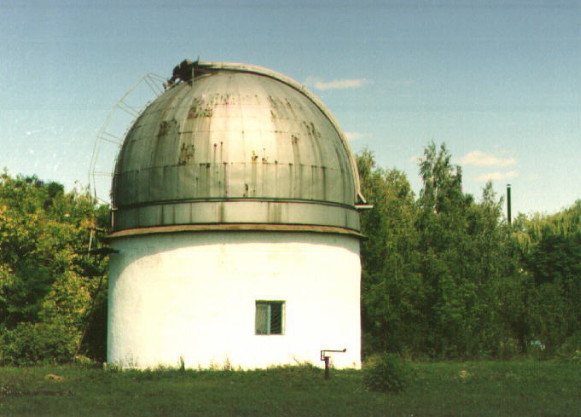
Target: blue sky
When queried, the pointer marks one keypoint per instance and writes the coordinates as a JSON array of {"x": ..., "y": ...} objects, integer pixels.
[{"x": 498, "y": 81}]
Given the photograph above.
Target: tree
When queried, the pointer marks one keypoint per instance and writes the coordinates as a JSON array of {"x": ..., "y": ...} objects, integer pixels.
[
  {"x": 445, "y": 276},
  {"x": 390, "y": 285},
  {"x": 46, "y": 275},
  {"x": 550, "y": 255},
  {"x": 464, "y": 260}
]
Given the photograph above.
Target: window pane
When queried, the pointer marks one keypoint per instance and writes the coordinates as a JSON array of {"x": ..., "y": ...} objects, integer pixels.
[
  {"x": 276, "y": 318},
  {"x": 261, "y": 323}
]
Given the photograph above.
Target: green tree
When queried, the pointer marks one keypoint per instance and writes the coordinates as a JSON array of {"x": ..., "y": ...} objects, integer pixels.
[
  {"x": 46, "y": 275},
  {"x": 441, "y": 223},
  {"x": 391, "y": 286},
  {"x": 445, "y": 276},
  {"x": 550, "y": 254},
  {"x": 493, "y": 270},
  {"x": 464, "y": 260}
]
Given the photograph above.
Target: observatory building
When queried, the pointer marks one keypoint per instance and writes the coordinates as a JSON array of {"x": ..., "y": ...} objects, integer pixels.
[{"x": 235, "y": 227}]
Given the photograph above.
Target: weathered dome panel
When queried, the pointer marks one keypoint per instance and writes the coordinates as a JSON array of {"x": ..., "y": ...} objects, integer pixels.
[{"x": 235, "y": 144}]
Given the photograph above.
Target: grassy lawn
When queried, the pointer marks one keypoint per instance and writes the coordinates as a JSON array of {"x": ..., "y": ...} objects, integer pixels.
[{"x": 438, "y": 389}]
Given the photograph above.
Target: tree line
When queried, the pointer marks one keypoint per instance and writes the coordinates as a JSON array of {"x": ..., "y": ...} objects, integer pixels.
[{"x": 444, "y": 275}]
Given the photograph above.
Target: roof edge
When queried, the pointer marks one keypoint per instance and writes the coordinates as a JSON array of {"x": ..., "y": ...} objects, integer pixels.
[{"x": 240, "y": 227}]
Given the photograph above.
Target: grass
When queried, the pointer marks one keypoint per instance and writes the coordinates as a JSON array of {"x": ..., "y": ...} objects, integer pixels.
[{"x": 438, "y": 389}]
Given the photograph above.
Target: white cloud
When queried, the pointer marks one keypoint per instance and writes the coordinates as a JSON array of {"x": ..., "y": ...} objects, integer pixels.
[
  {"x": 482, "y": 159},
  {"x": 490, "y": 176},
  {"x": 350, "y": 136},
  {"x": 319, "y": 84}
]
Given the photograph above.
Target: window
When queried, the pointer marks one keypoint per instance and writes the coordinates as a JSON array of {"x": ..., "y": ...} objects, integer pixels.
[{"x": 269, "y": 317}]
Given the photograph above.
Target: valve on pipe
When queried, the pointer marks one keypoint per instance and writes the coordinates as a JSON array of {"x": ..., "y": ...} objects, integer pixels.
[{"x": 326, "y": 358}]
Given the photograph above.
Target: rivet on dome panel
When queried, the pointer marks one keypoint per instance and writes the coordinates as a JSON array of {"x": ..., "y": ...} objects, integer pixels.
[{"x": 234, "y": 144}]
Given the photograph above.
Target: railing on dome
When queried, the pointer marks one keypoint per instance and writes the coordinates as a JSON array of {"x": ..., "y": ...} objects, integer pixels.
[{"x": 112, "y": 133}]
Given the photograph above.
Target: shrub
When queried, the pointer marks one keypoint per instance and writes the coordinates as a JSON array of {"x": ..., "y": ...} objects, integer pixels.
[
  {"x": 32, "y": 343},
  {"x": 570, "y": 351},
  {"x": 387, "y": 373}
]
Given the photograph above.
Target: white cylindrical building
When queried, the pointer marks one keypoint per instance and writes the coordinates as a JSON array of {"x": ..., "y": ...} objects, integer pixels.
[{"x": 235, "y": 227}]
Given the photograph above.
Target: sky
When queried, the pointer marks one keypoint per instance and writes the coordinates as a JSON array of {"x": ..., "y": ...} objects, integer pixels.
[{"x": 499, "y": 82}]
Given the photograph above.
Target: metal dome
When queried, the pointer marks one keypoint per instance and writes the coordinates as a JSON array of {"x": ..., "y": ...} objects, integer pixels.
[{"x": 234, "y": 146}]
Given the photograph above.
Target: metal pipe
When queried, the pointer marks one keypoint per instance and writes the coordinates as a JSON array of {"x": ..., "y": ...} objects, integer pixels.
[
  {"x": 326, "y": 359},
  {"x": 508, "y": 204}
]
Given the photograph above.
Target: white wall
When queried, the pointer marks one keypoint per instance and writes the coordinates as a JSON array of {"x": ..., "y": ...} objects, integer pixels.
[{"x": 192, "y": 296}]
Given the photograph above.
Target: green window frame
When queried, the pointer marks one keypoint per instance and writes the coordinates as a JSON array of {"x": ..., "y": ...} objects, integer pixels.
[{"x": 269, "y": 317}]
